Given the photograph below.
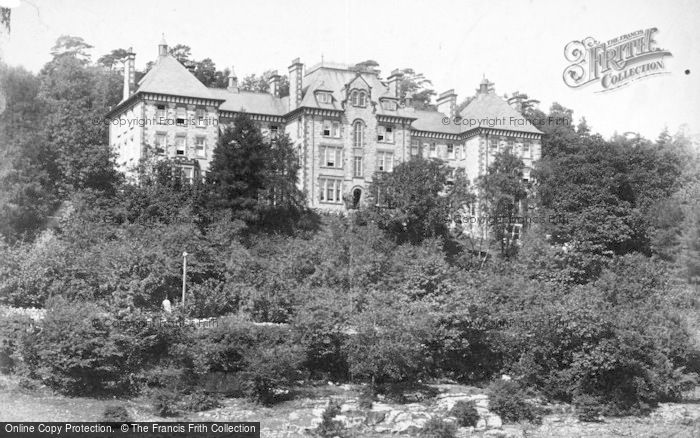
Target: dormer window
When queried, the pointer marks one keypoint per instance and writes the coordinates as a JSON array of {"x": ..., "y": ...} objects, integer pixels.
[
  {"x": 324, "y": 98},
  {"x": 389, "y": 105},
  {"x": 358, "y": 98}
]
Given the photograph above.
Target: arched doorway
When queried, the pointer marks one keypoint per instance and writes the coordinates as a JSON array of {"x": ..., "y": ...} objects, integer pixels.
[{"x": 356, "y": 197}]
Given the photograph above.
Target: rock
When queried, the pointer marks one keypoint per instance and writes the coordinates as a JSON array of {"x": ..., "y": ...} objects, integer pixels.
[
  {"x": 374, "y": 418},
  {"x": 293, "y": 416},
  {"x": 493, "y": 421},
  {"x": 481, "y": 424},
  {"x": 349, "y": 406},
  {"x": 496, "y": 433}
]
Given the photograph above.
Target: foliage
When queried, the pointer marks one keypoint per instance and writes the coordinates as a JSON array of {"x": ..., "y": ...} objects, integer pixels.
[
  {"x": 508, "y": 399},
  {"x": 437, "y": 427},
  {"x": 465, "y": 412},
  {"x": 116, "y": 414},
  {"x": 75, "y": 352},
  {"x": 261, "y": 84},
  {"x": 199, "y": 401},
  {"x": 328, "y": 426},
  {"x": 414, "y": 202}
]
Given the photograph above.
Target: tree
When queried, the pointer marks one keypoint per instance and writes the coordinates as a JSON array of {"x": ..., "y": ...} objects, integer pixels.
[
  {"x": 112, "y": 59},
  {"x": 501, "y": 192},
  {"x": 261, "y": 84},
  {"x": 417, "y": 87},
  {"x": 181, "y": 52},
  {"x": 415, "y": 201},
  {"x": 237, "y": 173},
  {"x": 72, "y": 47}
]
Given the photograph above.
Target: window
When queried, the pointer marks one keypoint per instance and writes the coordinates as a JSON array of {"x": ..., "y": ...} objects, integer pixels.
[
  {"x": 189, "y": 173},
  {"x": 180, "y": 145},
  {"x": 181, "y": 116},
  {"x": 161, "y": 142},
  {"x": 161, "y": 113},
  {"x": 462, "y": 151},
  {"x": 526, "y": 149},
  {"x": 331, "y": 129},
  {"x": 433, "y": 150},
  {"x": 358, "y": 98},
  {"x": 358, "y": 168},
  {"x": 324, "y": 98},
  {"x": 200, "y": 145},
  {"x": 201, "y": 116},
  {"x": 274, "y": 131},
  {"x": 385, "y": 161},
  {"x": 494, "y": 143},
  {"x": 450, "y": 151},
  {"x": 389, "y": 105},
  {"x": 358, "y": 134},
  {"x": 330, "y": 190},
  {"x": 331, "y": 156},
  {"x": 385, "y": 134},
  {"x": 326, "y": 128},
  {"x": 415, "y": 147},
  {"x": 336, "y": 129}
]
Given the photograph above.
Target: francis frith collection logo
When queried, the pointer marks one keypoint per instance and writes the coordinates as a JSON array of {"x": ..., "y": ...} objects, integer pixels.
[{"x": 614, "y": 63}]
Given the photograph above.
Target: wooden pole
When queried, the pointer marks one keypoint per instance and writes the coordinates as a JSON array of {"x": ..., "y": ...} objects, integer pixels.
[{"x": 184, "y": 277}]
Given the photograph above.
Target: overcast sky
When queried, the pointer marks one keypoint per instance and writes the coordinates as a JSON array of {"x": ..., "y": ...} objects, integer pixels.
[{"x": 517, "y": 45}]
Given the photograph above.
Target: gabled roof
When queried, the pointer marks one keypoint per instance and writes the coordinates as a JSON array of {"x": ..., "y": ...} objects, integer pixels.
[
  {"x": 168, "y": 76},
  {"x": 490, "y": 106},
  {"x": 251, "y": 102}
]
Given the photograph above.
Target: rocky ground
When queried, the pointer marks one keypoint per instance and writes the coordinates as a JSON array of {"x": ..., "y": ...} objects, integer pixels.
[{"x": 300, "y": 416}]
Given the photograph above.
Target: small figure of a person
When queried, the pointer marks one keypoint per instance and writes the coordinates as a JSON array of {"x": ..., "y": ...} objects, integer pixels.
[{"x": 167, "y": 307}]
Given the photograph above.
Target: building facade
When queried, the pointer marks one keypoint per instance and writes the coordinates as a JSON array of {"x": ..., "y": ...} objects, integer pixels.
[{"x": 345, "y": 124}]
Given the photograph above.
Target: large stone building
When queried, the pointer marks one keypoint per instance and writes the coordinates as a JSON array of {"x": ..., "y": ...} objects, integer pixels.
[{"x": 345, "y": 125}]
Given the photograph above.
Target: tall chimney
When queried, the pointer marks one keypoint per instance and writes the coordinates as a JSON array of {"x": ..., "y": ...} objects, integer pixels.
[
  {"x": 295, "y": 76},
  {"x": 275, "y": 84},
  {"x": 129, "y": 74},
  {"x": 162, "y": 47},
  {"x": 447, "y": 103},
  {"x": 395, "y": 83},
  {"x": 485, "y": 87},
  {"x": 233, "y": 81}
]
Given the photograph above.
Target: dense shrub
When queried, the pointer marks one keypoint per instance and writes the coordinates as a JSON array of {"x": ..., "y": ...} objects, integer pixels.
[
  {"x": 199, "y": 401},
  {"x": 165, "y": 402},
  {"x": 391, "y": 344},
  {"x": 508, "y": 399},
  {"x": 264, "y": 356},
  {"x": 116, "y": 414},
  {"x": 320, "y": 325},
  {"x": 437, "y": 427},
  {"x": 12, "y": 330},
  {"x": 75, "y": 351},
  {"x": 329, "y": 427},
  {"x": 588, "y": 408},
  {"x": 465, "y": 412}
]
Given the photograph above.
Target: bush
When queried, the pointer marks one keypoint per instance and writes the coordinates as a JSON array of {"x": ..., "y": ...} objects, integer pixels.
[
  {"x": 265, "y": 357},
  {"x": 74, "y": 351},
  {"x": 588, "y": 408},
  {"x": 12, "y": 330},
  {"x": 165, "y": 402},
  {"x": 116, "y": 414},
  {"x": 438, "y": 428},
  {"x": 508, "y": 399},
  {"x": 392, "y": 344},
  {"x": 199, "y": 401},
  {"x": 330, "y": 427},
  {"x": 465, "y": 412}
]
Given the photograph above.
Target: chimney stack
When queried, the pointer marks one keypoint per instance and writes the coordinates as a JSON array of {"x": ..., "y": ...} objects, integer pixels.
[
  {"x": 275, "y": 84},
  {"x": 233, "y": 81},
  {"x": 447, "y": 103},
  {"x": 295, "y": 77},
  {"x": 129, "y": 74},
  {"x": 395, "y": 83}
]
